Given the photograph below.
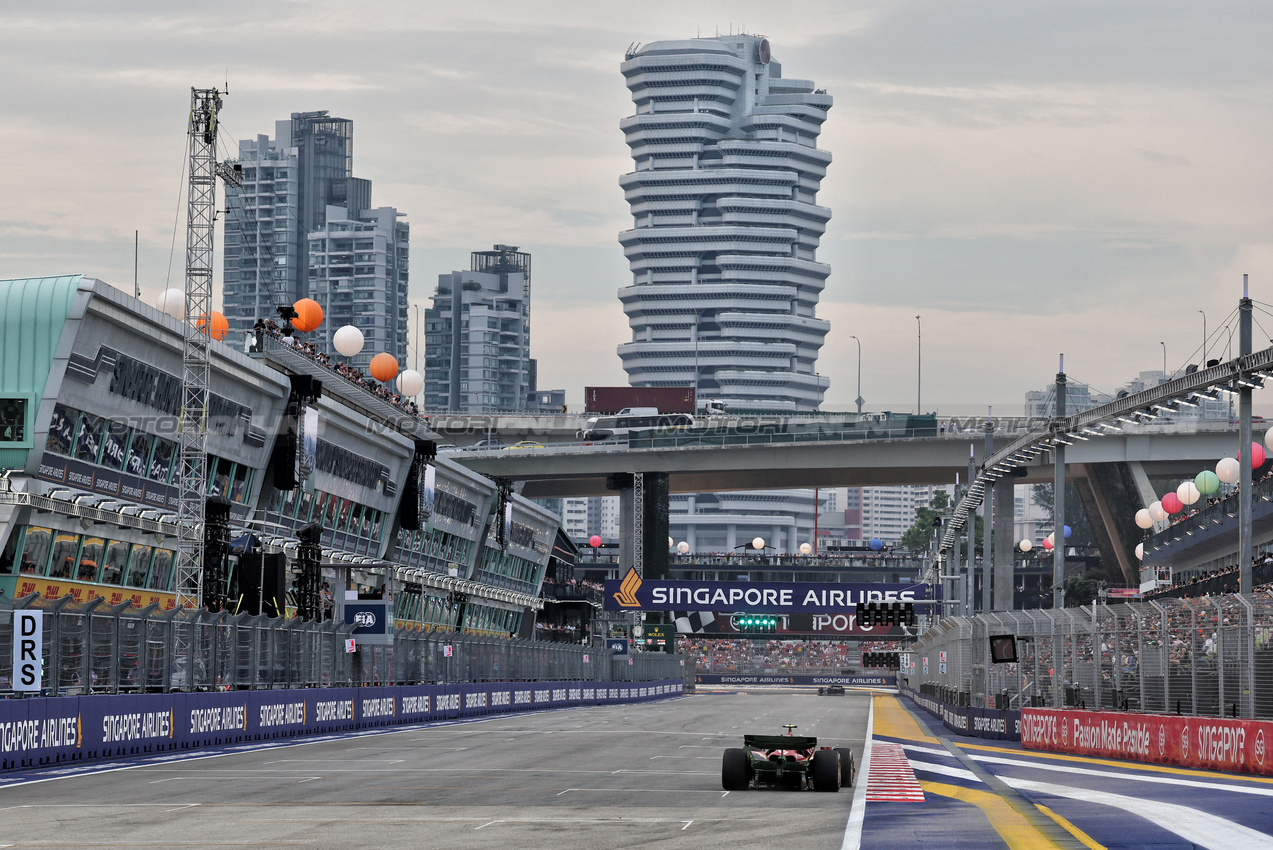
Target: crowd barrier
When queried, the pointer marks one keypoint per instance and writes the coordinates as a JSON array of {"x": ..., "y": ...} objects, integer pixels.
[
  {"x": 49, "y": 730},
  {"x": 743, "y": 679},
  {"x": 1000, "y": 724},
  {"x": 1199, "y": 742}
]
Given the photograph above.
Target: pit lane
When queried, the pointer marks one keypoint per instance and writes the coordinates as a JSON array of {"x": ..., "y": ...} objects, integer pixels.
[{"x": 612, "y": 776}]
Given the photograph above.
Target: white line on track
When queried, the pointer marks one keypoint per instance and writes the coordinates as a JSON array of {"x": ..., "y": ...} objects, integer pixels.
[
  {"x": 853, "y": 829},
  {"x": 1157, "y": 779},
  {"x": 1202, "y": 828}
]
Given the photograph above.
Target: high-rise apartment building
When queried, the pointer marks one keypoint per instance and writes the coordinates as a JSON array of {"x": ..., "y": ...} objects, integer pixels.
[
  {"x": 477, "y": 335},
  {"x": 725, "y": 278},
  {"x": 289, "y": 183},
  {"x": 358, "y": 273}
]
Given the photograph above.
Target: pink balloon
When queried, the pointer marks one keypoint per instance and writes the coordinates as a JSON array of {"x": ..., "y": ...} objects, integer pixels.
[
  {"x": 1047, "y": 544},
  {"x": 1171, "y": 504},
  {"x": 595, "y": 541},
  {"x": 1257, "y": 455}
]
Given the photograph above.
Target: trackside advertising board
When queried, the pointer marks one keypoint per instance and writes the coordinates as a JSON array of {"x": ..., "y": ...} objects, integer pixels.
[
  {"x": 632, "y": 593},
  {"x": 1204, "y": 742},
  {"x": 1000, "y": 724},
  {"x": 49, "y": 730}
]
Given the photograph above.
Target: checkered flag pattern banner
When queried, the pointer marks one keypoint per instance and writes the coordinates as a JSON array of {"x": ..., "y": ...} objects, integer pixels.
[{"x": 693, "y": 622}]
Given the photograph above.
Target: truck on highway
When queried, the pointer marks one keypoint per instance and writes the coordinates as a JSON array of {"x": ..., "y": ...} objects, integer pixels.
[{"x": 612, "y": 400}]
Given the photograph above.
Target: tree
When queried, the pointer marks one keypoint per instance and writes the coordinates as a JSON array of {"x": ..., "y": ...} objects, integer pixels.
[
  {"x": 1081, "y": 536},
  {"x": 918, "y": 537}
]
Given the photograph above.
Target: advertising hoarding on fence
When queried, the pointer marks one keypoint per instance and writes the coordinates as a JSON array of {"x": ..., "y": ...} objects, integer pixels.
[
  {"x": 1212, "y": 743},
  {"x": 48, "y": 730},
  {"x": 828, "y": 679},
  {"x": 1000, "y": 724}
]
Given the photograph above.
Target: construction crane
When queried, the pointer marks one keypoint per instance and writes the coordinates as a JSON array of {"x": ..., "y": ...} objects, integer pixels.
[{"x": 205, "y": 104}]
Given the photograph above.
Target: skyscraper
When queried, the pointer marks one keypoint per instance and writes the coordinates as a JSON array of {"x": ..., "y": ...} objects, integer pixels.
[
  {"x": 358, "y": 272},
  {"x": 725, "y": 279},
  {"x": 289, "y": 182},
  {"x": 477, "y": 335}
]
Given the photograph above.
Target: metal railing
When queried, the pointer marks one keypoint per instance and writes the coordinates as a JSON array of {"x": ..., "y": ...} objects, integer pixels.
[
  {"x": 1211, "y": 656},
  {"x": 96, "y": 648}
]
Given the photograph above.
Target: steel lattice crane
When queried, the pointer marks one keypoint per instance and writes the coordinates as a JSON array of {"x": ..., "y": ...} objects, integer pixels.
[{"x": 201, "y": 209}]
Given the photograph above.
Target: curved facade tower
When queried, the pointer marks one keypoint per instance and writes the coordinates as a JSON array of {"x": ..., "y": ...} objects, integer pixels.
[{"x": 725, "y": 280}]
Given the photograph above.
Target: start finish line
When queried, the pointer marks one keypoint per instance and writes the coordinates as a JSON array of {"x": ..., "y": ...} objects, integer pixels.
[{"x": 631, "y": 593}]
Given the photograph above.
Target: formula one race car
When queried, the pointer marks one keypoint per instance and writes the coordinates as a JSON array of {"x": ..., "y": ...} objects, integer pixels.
[
  {"x": 831, "y": 691},
  {"x": 786, "y": 761}
]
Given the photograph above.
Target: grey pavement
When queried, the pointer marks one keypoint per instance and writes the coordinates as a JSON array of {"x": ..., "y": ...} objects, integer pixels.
[{"x": 613, "y": 777}]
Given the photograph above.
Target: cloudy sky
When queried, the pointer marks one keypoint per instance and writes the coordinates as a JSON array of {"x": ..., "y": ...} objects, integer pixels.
[{"x": 1080, "y": 177}]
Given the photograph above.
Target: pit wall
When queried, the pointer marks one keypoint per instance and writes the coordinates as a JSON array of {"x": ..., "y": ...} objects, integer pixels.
[
  {"x": 51, "y": 730},
  {"x": 1209, "y": 743},
  {"x": 744, "y": 679},
  {"x": 999, "y": 724}
]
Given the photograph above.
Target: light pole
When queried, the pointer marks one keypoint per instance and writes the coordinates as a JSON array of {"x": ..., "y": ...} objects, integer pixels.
[
  {"x": 1202, "y": 359},
  {"x": 919, "y": 363},
  {"x": 416, "y": 307},
  {"x": 858, "y": 400},
  {"x": 1164, "y": 359}
]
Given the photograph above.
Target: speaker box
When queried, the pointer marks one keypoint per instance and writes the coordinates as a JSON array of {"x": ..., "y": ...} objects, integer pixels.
[
  {"x": 261, "y": 584},
  {"x": 273, "y": 585},
  {"x": 527, "y": 630}
]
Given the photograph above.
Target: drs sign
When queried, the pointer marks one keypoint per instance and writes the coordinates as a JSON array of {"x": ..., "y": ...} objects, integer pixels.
[{"x": 28, "y": 650}]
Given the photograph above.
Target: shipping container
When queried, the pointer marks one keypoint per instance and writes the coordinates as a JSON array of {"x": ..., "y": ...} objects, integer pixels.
[{"x": 614, "y": 399}]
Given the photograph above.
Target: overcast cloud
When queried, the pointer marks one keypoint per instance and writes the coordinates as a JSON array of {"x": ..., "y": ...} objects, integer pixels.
[{"x": 1030, "y": 178}]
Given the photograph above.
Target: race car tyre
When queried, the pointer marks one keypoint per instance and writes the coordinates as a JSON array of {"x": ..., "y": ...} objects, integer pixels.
[
  {"x": 847, "y": 768},
  {"x": 826, "y": 770},
  {"x": 735, "y": 770}
]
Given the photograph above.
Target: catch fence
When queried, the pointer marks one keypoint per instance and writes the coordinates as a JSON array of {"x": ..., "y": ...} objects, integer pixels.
[
  {"x": 1210, "y": 656},
  {"x": 95, "y": 648}
]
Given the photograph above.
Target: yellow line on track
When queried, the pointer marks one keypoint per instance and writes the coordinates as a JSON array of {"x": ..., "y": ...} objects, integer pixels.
[
  {"x": 1071, "y": 828},
  {"x": 1135, "y": 765},
  {"x": 894, "y": 721},
  {"x": 1017, "y": 832}
]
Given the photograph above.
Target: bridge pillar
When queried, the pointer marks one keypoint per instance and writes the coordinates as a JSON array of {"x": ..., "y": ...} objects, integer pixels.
[
  {"x": 1002, "y": 542},
  {"x": 655, "y": 513},
  {"x": 1111, "y": 494}
]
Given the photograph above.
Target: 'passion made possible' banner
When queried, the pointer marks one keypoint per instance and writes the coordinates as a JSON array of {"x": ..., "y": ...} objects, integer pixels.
[{"x": 632, "y": 593}]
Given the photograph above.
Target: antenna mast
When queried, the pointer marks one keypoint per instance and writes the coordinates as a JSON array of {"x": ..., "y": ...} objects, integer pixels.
[{"x": 195, "y": 368}]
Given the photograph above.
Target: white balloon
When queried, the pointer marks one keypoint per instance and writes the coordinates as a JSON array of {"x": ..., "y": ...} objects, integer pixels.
[
  {"x": 348, "y": 341},
  {"x": 1156, "y": 511},
  {"x": 1187, "y": 492},
  {"x": 1026, "y": 545},
  {"x": 1143, "y": 519},
  {"x": 1051, "y": 538},
  {"x": 1227, "y": 470},
  {"x": 172, "y": 302},
  {"x": 1140, "y": 551},
  {"x": 805, "y": 548},
  {"x": 410, "y": 382},
  {"x": 758, "y": 543},
  {"x": 1268, "y": 439},
  {"x": 669, "y": 543},
  {"x": 682, "y": 547}
]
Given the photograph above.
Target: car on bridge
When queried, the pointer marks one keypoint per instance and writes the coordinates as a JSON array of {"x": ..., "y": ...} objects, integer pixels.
[{"x": 524, "y": 444}]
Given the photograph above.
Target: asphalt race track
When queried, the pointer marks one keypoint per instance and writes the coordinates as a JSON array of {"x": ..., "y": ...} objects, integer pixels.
[{"x": 613, "y": 777}]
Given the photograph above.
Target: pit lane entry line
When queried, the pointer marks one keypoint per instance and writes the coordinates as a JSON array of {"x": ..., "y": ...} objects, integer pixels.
[{"x": 857, "y": 810}]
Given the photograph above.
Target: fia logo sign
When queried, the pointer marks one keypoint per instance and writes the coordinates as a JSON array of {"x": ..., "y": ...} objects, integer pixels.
[{"x": 364, "y": 619}]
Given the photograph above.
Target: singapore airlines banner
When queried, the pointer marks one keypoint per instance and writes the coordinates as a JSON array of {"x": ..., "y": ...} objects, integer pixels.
[{"x": 632, "y": 593}]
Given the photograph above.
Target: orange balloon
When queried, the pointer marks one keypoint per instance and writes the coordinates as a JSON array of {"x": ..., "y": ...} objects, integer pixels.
[
  {"x": 309, "y": 315},
  {"x": 384, "y": 366},
  {"x": 220, "y": 325}
]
